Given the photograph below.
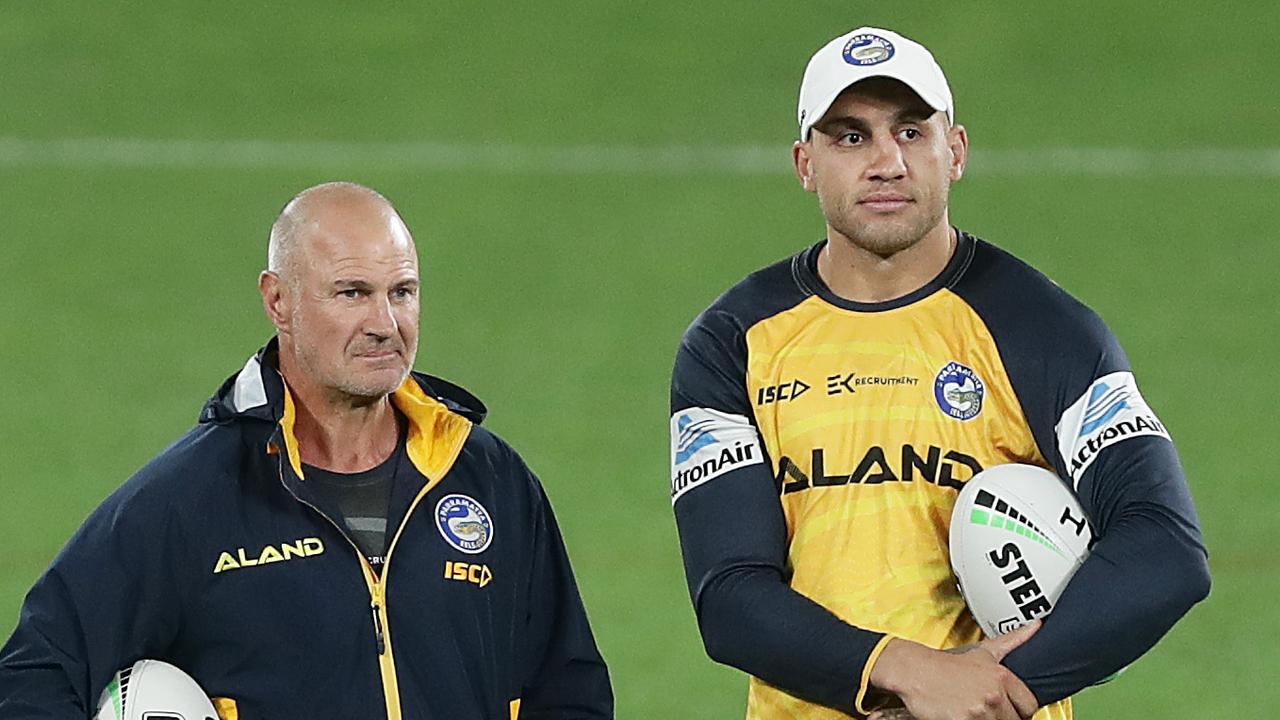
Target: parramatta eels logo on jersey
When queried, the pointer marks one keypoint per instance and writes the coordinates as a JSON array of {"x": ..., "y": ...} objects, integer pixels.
[
  {"x": 1110, "y": 410},
  {"x": 706, "y": 444},
  {"x": 867, "y": 49},
  {"x": 464, "y": 523},
  {"x": 959, "y": 391}
]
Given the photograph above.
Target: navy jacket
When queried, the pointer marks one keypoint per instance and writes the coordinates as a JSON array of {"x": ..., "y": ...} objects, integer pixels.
[{"x": 214, "y": 557}]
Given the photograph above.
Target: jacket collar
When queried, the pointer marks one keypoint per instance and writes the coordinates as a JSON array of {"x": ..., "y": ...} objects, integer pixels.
[
  {"x": 440, "y": 413},
  {"x": 258, "y": 392}
]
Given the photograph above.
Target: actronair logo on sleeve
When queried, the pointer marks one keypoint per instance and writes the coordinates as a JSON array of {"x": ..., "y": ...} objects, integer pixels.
[
  {"x": 706, "y": 444},
  {"x": 1110, "y": 411}
]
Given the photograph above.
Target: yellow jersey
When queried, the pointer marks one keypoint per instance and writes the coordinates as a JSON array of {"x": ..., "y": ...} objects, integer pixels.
[{"x": 819, "y": 444}]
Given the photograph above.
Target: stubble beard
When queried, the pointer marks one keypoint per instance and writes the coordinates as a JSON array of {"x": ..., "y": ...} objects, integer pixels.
[
  {"x": 355, "y": 388},
  {"x": 338, "y": 382},
  {"x": 886, "y": 236}
]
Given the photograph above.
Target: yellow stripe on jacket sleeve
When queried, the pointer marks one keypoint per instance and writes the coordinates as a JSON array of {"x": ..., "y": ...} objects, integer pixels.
[
  {"x": 515, "y": 709},
  {"x": 865, "y": 684}
]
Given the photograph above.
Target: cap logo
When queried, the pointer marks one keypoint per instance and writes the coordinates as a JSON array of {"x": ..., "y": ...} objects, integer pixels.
[{"x": 867, "y": 49}]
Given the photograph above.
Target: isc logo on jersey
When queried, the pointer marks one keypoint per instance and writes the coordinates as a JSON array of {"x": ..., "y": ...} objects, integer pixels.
[
  {"x": 1109, "y": 411},
  {"x": 706, "y": 444}
]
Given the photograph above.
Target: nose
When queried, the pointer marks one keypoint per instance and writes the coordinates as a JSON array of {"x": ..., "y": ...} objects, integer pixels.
[
  {"x": 380, "y": 321},
  {"x": 887, "y": 162}
]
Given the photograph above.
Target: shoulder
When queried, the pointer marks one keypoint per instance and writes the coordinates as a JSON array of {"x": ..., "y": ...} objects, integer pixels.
[
  {"x": 488, "y": 453},
  {"x": 1022, "y": 305},
  {"x": 1053, "y": 347},
  {"x": 488, "y": 445},
  {"x": 711, "y": 360},
  {"x": 762, "y": 294},
  {"x": 179, "y": 487},
  {"x": 501, "y": 478},
  {"x": 205, "y": 459}
]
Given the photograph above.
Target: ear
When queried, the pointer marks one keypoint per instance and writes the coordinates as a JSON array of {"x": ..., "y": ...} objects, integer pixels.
[
  {"x": 275, "y": 299},
  {"x": 803, "y": 162},
  {"x": 958, "y": 141}
]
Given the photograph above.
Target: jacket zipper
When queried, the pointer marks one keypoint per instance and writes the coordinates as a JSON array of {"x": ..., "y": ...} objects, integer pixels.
[
  {"x": 377, "y": 589},
  {"x": 377, "y": 619},
  {"x": 374, "y": 584}
]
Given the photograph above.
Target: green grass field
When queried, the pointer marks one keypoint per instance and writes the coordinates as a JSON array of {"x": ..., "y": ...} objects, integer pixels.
[{"x": 583, "y": 178}]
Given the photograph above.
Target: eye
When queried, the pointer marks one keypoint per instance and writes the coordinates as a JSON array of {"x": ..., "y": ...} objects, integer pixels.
[
  {"x": 911, "y": 133},
  {"x": 850, "y": 138},
  {"x": 350, "y": 293},
  {"x": 403, "y": 293}
]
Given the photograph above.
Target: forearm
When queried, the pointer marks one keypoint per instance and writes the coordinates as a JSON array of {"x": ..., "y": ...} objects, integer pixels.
[
  {"x": 38, "y": 679},
  {"x": 1138, "y": 581},
  {"x": 1146, "y": 570},
  {"x": 754, "y": 621},
  {"x": 578, "y": 690},
  {"x": 100, "y": 605}
]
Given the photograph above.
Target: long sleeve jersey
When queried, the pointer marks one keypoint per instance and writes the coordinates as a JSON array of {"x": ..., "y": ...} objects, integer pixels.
[{"x": 819, "y": 444}]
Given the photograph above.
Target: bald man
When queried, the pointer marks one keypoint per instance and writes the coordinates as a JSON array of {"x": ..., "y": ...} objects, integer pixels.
[{"x": 258, "y": 552}]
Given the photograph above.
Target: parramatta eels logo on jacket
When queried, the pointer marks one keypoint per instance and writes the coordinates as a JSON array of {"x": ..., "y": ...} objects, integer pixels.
[
  {"x": 241, "y": 558},
  {"x": 464, "y": 523}
]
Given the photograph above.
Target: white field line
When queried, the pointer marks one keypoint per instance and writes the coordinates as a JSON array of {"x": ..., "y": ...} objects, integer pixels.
[{"x": 663, "y": 160}]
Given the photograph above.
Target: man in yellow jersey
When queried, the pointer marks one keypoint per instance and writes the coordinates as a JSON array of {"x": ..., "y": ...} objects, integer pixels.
[
  {"x": 827, "y": 410},
  {"x": 337, "y": 538}
]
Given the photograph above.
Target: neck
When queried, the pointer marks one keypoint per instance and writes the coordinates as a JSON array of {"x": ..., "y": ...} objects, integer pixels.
[
  {"x": 860, "y": 275},
  {"x": 339, "y": 433}
]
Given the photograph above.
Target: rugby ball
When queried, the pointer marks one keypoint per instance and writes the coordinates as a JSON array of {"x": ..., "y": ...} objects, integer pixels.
[
  {"x": 1017, "y": 536},
  {"x": 154, "y": 690}
]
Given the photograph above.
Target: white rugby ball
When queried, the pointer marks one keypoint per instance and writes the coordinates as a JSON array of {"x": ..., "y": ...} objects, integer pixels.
[
  {"x": 153, "y": 690},
  {"x": 1018, "y": 534}
]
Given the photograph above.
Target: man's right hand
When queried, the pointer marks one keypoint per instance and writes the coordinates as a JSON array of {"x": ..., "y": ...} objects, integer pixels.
[{"x": 967, "y": 683}]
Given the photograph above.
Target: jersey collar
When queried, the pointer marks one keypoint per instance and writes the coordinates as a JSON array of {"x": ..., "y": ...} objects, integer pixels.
[{"x": 804, "y": 267}]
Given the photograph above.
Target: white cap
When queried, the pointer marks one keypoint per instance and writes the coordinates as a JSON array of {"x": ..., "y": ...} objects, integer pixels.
[{"x": 866, "y": 53}]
